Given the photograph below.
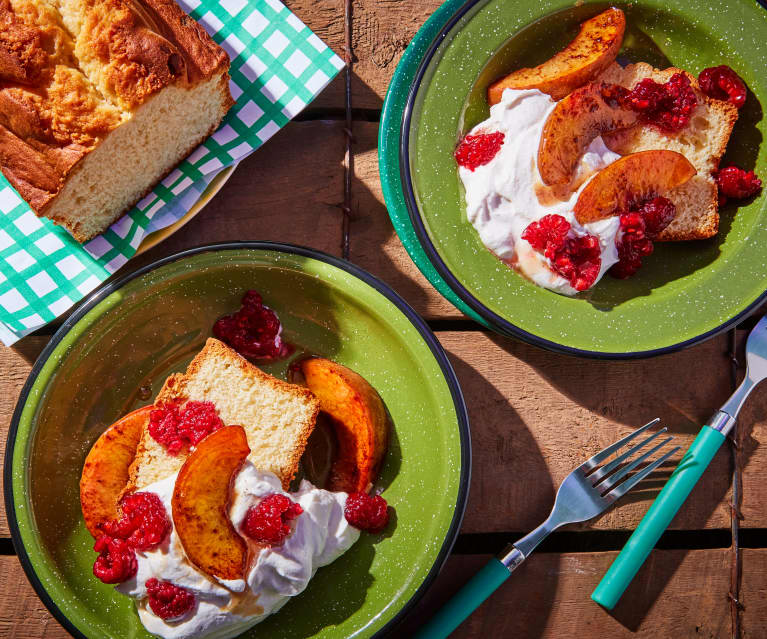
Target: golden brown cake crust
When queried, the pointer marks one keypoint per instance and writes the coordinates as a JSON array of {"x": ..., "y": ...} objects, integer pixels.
[{"x": 52, "y": 113}]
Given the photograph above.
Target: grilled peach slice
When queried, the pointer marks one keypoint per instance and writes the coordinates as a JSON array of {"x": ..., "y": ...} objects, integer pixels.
[
  {"x": 105, "y": 473},
  {"x": 359, "y": 420},
  {"x": 630, "y": 180},
  {"x": 201, "y": 499},
  {"x": 577, "y": 119},
  {"x": 592, "y": 50}
]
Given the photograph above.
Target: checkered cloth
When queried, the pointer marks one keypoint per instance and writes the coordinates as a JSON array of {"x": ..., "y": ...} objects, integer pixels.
[{"x": 278, "y": 67}]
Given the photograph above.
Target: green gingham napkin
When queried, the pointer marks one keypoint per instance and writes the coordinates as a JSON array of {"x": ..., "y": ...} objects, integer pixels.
[{"x": 278, "y": 67}]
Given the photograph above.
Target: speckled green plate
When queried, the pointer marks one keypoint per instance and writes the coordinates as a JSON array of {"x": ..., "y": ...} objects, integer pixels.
[
  {"x": 129, "y": 336},
  {"x": 687, "y": 291}
]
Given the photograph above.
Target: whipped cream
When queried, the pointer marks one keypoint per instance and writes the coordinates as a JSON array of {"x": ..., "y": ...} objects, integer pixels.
[
  {"x": 225, "y": 609},
  {"x": 505, "y": 195}
]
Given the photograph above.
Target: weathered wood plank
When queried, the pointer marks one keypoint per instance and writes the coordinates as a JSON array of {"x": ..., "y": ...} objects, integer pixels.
[
  {"x": 374, "y": 244},
  {"x": 22, "y": 614},
  {"x": 753, "y": 593},
  {"x": 752, "y": 433},
  {"x": 15, "y": 365},
  {"x": 382, "y": 31},
  {"x": 677, "y": 594},
  {"x": 536, "y": 415},
  {"x": 681, "y": 594},
  {"x": 288, "y": 191}
]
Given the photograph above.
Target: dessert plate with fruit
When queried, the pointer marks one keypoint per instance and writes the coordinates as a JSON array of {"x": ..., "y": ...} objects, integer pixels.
[
  {"x": 235, "y": 441},
  {"x": 586, "y": 178}
]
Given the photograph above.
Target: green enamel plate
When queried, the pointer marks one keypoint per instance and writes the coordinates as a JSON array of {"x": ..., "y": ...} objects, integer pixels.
[
  {"x": 112, "y": 356},
  {"x": 685, "y": 292}
]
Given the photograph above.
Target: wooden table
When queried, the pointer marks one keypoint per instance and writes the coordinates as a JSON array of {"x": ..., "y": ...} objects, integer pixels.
[{"x": 534, "y": 415}]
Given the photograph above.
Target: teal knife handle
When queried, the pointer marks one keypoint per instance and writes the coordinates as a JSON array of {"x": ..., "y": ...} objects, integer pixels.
[
  {"x": 658, "y": 517},
  {"x": 465, "y": 601}
]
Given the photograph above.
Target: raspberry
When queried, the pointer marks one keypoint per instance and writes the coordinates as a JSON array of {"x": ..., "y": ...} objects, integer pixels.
[
  {"x": 253, "y": 331},
  {"x": 268, "y": 522},
  {"x": 577, "y": 259},
  {"x": 737, "y": 183},
  {"x": 638, "y": 228},
  {"x": 547, "y": 235},
  {"x": 668, "y": 106},
  {"x": 168, "y": 601},
  {"x": 177, "y": 428},
  {"x": 367, "y": 513},
  {"x": 657, "y": 214},
  {"x": 116, "y": 561},
  {"x": 144, "y": 523},
  {"x": 477, "y": 150},
  {"x": 722, "y": 83}
]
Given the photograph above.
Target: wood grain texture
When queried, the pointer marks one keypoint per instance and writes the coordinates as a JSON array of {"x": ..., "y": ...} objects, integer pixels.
[
  {"x": 289, "y": 191},
  {"x": 22, "y": 614},
  {"x": 754, "y": 593},
  {"x": 677, "y": 594},
  {"x": 537, "y": 415},
  {"x": 680, "y": 594},
  {"x": 381, "y": 31},
  {"x": 15, "y": 365},
  {"x": 374, "y": 244},
  {"x": 752, "y": 427}
]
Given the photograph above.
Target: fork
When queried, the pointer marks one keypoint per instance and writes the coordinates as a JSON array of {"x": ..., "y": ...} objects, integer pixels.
[{"x": 587, "y": 491}]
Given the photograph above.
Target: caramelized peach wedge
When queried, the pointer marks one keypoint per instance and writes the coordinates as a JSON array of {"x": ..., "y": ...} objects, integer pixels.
[
  {"x": 593, "y": 49},
  {"x": 105, "y": 473},
  {"x": 629, "y": 180},
  {"x": 200, "y": 503},
  {"x": 574, "y": 123},
  {"x": 359, "y": 420}
]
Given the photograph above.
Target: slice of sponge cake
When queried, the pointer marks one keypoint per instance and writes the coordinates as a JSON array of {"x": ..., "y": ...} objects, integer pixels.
[
  {"x": 703, "y": 142},
  {"x": 278, "y": 417}
]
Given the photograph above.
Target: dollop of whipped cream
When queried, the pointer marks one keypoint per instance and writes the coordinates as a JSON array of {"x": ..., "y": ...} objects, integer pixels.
[
  {"x": 505, "y": 195},
  {"x": 225, "y": 609}
]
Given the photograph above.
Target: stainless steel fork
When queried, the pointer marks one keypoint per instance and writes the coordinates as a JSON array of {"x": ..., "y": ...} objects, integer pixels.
[{"x": 587, "y": 491}]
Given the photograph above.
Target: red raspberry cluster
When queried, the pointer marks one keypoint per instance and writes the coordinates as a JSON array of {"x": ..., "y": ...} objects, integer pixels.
[
  {"x": 638, "y": 230},
  {"x": 176, "y": 428},
  {"x": 722, "y": 83},
  {"x": 143, "y": 522},
  {"x": 143, "y": 525},
  {"x": 168, "y": 601},
  {"x": 477, "y": 150},
  {"x": 116, "y": 561},
  {"x": 253, "y": 331},
  {"x": 736, "y": 183},
  {"x": 577, "y": 259},
  {"x": 668, "y": 106},
  {"x": 367, "y": 513},
  {"x": 268, "y": 522}
]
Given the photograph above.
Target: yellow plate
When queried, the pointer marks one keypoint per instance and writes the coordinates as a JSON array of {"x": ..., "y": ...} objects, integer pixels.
[{"x": 153, "y": 239}]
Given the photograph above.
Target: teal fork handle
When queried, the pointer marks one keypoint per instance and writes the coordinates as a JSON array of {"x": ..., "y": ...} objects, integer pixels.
[
  {"x": 658, "y": 517},
  {"x": 465, "y": 601}
]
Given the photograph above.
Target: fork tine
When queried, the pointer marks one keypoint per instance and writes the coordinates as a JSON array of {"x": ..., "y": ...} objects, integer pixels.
[
  {"x": 597, "y": 459},
  {"x": 627, "y": 485},
  {"x": 613, "y": 479},
  {"x": 597, "y": 475}
]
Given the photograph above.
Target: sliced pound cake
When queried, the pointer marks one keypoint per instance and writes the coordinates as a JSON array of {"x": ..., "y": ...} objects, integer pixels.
[
  {"x": 278, "y": 417},
  {"x": 99, "y": 100},
  {"x": 703, "y": 142}
]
